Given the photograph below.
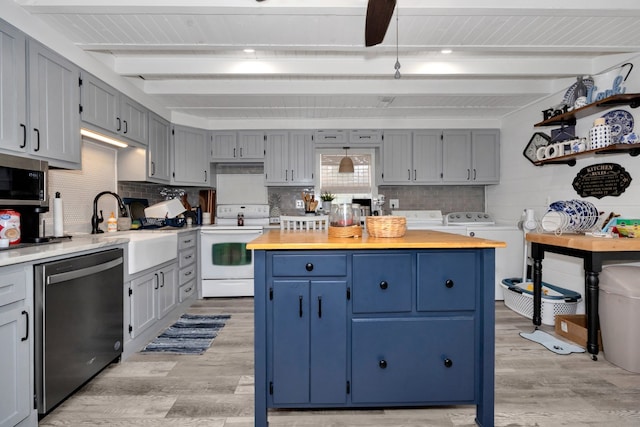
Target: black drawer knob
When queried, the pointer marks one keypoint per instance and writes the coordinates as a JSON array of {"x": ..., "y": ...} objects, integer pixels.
[
  {"x": 449, "y": 283},
  {"x": 383, "y": 364},
  {"x": 384, "y": 285},
  {"x": 309, "y": 266},
  {"x": 448, "y": 363}
]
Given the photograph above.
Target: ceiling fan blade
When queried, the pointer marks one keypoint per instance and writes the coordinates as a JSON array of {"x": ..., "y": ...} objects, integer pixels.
[{"x": 379, "y": 13}]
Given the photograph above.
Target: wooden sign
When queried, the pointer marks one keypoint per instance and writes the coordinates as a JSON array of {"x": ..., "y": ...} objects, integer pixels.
[{"x": 600, "y": 180}]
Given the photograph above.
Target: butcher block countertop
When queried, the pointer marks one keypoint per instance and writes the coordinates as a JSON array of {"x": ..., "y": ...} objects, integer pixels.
[
  {"x": 413, "y": 239},
  {"x": 586, "y": 243}
]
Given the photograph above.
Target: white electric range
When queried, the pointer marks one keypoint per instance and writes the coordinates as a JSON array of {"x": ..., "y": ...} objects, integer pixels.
[
  {"x": 475, "y": 224},
  {"x": 226, "y": 265}
]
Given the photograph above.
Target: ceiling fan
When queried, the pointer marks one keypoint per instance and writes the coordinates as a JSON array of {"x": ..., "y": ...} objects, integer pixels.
[{"x": 379, "y": 13}]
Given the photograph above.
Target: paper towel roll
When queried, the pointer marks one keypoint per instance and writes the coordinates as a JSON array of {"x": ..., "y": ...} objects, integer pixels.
[{"x": 58, "y": 217}]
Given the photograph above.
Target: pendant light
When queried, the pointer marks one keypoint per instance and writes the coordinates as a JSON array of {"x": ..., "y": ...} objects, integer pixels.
[
  {"x": 397, "y": 65},
  {"x": 346, "y": 164}
]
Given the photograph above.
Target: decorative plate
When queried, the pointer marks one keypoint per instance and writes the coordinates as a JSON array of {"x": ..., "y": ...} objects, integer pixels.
[
  {"x": 621, "y": 123},
  {"x": 569, "y": 97}
]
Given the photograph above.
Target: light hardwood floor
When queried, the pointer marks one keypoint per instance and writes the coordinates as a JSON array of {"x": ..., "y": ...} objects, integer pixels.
[{"x": 534, "y": 387}]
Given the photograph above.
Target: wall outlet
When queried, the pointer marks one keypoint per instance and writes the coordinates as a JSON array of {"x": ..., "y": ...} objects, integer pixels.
[
  {"x": 299, "y": 204},
  {"x": 394, "y": 203}
]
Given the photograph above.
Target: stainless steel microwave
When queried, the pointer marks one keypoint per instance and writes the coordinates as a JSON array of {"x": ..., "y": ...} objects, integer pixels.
[{"x": 23, "y": 181}]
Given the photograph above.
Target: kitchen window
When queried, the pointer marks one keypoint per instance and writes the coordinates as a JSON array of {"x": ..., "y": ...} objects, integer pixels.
[{"x": 359, "y": 184}]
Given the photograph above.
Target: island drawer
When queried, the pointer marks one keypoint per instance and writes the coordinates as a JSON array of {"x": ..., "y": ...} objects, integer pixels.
[
  {"x": 446, "y": 281},
  {"x": 412, "y": 360},
  {"x": 13, "y": 285},
  {"x": 384, "y": 283},
  {"x": 309, "y": 265}
]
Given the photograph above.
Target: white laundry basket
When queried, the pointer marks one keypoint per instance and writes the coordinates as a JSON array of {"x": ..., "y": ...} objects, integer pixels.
[{"x": 555, "y": 300}]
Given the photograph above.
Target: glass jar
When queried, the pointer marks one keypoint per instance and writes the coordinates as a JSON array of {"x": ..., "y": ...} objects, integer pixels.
[{"x": 341, "y": 215}]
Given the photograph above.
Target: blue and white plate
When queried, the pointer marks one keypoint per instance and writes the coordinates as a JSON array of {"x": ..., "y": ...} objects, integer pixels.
[{"x": 621, "y": 122}]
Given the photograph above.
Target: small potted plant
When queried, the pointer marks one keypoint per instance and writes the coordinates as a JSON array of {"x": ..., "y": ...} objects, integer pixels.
[{"x": 326, "y": 198}]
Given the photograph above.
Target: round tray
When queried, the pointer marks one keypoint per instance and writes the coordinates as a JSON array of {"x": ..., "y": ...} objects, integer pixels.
[{"x": 351, "y": 231}]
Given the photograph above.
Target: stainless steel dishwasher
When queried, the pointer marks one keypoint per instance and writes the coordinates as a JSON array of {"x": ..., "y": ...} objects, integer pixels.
[{"x": 78, "y": 322}]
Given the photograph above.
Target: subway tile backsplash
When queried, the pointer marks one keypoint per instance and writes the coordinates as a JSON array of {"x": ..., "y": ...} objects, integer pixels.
[{"x": 447, "y": 198}]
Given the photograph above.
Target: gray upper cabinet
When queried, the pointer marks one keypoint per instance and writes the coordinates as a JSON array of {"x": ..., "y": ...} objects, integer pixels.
[
  {"x": 412, "y": 158},
  {"x": 331, "y": 137},
  {"x": 54, "y": 100},
  {"x": 289, "y": 158},
  {"x": 471, "y": 157},
  {"x": 396, "y": 157},
  {"x": 104, "y": 109},
  {"x": 365, "y": 137},
  {"x": 13, "y": 90},
  {"x": 190, "y": 156},
  {"x": 45, "y": 124},
  {"x": 158, "y": 153},
  {"x": 151, "y": 164},
  {"x": 231, "y": 146}
]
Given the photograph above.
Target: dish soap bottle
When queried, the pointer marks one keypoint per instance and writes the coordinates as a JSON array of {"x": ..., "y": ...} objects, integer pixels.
[{"x": 112, "y": 224}]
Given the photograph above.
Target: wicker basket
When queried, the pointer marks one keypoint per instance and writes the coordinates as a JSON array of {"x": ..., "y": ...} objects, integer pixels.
[
  {"x": 350, "y": 231},
  {"x": 386, "y": 226}
]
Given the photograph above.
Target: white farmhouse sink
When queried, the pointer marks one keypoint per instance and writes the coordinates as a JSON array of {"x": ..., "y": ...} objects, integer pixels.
[{"x": 148, "y": 248}]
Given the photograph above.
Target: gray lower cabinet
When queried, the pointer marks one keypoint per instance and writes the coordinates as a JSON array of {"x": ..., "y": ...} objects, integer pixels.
[
  {"x": 190, "y": 156},
  {"x": 187, "y": 264},
  {"x": 471, "y": 156},
  {"x": 289, "y": 158},
  {"x": 151, "y": 296},
  {"x": 16, "y": 383}
]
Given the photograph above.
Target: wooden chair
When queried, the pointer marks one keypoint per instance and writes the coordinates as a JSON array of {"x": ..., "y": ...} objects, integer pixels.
[{"x": 304, "y": 223}]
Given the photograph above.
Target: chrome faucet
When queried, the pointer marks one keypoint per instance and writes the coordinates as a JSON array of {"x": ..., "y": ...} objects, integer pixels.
[{"x": 96, "y": 220}]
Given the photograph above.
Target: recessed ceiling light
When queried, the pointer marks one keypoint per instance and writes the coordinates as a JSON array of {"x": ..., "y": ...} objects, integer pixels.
[
  {"x": 249, "y": 50},
  {"x": 446, "y": 51}
]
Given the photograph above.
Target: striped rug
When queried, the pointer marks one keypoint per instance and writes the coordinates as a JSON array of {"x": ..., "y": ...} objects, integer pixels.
[{"x": 191, "y": 334}]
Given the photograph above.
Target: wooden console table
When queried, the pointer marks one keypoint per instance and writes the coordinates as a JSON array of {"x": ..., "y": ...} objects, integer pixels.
[{"x": 593, "y": 251}]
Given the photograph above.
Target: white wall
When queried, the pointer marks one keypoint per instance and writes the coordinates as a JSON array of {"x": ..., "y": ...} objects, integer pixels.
[{"x": 523, "y": 185}]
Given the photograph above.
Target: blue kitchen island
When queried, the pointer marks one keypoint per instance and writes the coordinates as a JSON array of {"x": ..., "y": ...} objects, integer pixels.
[{"x": 373, "y": 322}]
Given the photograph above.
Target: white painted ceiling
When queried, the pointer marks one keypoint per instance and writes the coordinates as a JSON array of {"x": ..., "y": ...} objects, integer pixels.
[{"x": 310, "y": 61}]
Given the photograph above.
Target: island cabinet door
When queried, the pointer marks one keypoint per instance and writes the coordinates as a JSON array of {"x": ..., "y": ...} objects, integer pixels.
[
  {"x": 309, "y": 353},
  {"x": 447, "y": 281},
  {"x": 382, "y": 283},
  {"x": 413, "y": 360}
]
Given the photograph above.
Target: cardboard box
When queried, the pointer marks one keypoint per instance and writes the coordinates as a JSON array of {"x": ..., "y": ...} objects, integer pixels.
[{"x": 574, "y": 328}]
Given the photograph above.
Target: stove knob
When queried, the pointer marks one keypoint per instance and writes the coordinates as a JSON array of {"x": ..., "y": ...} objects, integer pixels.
[
  {"x": 486, "y": 216},
  {"x": 458, "y": 216},
  {"x": 469, "y": 215}
]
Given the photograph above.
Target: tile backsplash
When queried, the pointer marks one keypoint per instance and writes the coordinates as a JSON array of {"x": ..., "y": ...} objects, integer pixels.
[{"x": 447, "y": 198}]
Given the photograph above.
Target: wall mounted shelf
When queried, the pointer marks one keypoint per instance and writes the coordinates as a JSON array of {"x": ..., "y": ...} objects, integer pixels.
[
  {"x": 569, "y": 119},
  {"x": 570, "y": 159}
]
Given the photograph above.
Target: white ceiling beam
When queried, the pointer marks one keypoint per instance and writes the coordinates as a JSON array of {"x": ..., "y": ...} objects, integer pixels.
[
  {"x": 488, "y": 67},
  {"x": 342, "y": 7},
  {"x": 348, "y": 87}
]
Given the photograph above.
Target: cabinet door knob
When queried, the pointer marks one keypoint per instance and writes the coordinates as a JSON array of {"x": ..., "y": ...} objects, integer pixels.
[
  {"x": 448, "y": 363},
  {"x": 309, "y": 266},
  {"x": 384, "y": 285},
  {"x": 449, "y": 283},
  {"x": 382, "y": 364}
]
